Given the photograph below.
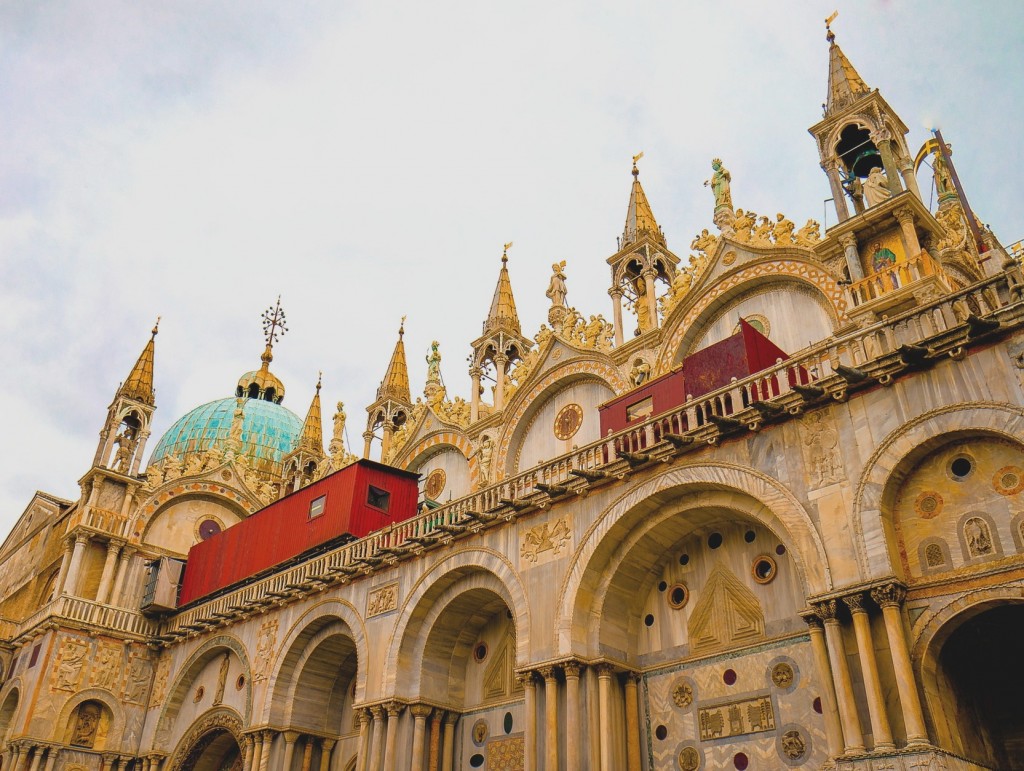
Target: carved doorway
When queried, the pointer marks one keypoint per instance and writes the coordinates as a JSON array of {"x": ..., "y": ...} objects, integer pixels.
[
  {"x": 216, "y": 750},
  {"x": 983, "y": 671}
]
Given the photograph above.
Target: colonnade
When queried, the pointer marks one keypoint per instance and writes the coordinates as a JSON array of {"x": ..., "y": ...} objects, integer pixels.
[
  {"x": 256, "y": 747},
  {"x": 842, "y": 724},
  {"x": 115, "y": 568},
  {"x": 433, "y": 738},
  {"x": 22, "y": 755}
]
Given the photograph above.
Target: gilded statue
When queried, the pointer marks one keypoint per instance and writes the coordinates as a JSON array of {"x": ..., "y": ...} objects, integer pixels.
[
  {"x": 543, "y": 335},
  {"x": 783, "y": 230},
  {"x": 705, "y": 242},
  {"x": 556, "y": 288},
  {"x": 940, "y": 173},
  {"x": 743, "y": 224},
  {"x": 876, "y": 188},
  {"x": 762, "y": 233},
  {"x": 809, "y": 234},
  {"x": 720, "y": 184},
  {"x": 434, "y": 363}
]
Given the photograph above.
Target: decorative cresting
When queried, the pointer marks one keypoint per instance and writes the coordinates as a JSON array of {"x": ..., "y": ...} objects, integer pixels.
[
  {"x": 216, "y": 720},
  {"x": 762, "y": 498},
  {"x": 470, "y": 569},
  {"x": 905, "y": 446},
  {"x": 187, "y": 674},
  {"x": 684, "y": 321},
  {"x": 575, "y": 369},
  {"x": 287, "y": 654}
]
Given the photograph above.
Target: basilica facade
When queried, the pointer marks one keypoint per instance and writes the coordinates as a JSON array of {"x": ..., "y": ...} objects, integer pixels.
[{"x": 679, "y": 537}]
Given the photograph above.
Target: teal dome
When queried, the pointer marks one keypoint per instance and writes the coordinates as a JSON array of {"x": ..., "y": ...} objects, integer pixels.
[{"x": 269, "y": 432}]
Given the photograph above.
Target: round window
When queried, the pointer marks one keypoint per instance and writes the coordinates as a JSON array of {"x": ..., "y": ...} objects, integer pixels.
[
  {"x": 678, "y": 596},
  {"x": 764, "y": 569},
  {"x": 208, "y": 528}
]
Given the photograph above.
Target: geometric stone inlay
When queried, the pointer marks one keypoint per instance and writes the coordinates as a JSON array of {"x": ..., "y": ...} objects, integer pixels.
[{"x": 745, "y": 716}]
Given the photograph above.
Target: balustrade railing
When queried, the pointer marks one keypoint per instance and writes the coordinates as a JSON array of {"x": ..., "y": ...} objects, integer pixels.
[
  {"x": 898, "y": 275},
  {"x": 78, "y": 609},
  {"x": 102, "y": 520},
  {"x": 813, "y": 363}
]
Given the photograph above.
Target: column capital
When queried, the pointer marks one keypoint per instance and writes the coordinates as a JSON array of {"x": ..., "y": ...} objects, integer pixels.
[
  {"x": 615, "y": 292},
  {"x": 394, "y": 708},
  {"x": 855, "y": 602},
  {"x": 377, "y": 711},
  {"x": 604, "y": 669},
  {"x": 903, "y": 214},
  {"x": 889, "y": 595},
  {"x": 846, "y": 240},
  {"x": 548, "y": 673},
  {"x": 81, "y": 537},
  {"x": 573, "y": 668},
  {"x": 365, "y": 715},
  {"x": 451, "y": 718},
  {"x": 811, "y": 618},
  {"x": 291, "y": 737},
  {"x": 326, "y": 745},
  {"x": 633, "y": 677},
  {"x": 421, "y": 711},
  {"x": 526, "y": 678},
  {"x": 828, "y": 611},
  {"x": 476, "y": 371}
]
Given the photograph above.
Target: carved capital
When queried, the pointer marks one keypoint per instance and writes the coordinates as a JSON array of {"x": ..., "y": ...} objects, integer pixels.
[
  {"x": 605, "y": 670},
  {"x": 615, "y": 293},
  {"x": 572, "y": 669},
  {"x": 326, "y": 745},
  {"x": 828, "y": 610},
  {"x": 855, "y": 602},
  {"x": 847, "y": 240},
  {"x": 81, "y": 537},
  {"x": 394, "y": 708},
  {"x": 548, "y": 673},
  {"x": 377, "y": 711},
  {"x": 451, "y": 718},
  {"x": 290, "y": 737},
  {"x": 903, "y": 215},
  {"x": 889, "y": 595},
  {"x": 812, "y": 620},
  {"x": 421, "y": 711},
  {"x": 526, "y": 679},
  {"x": 632, "y": 677}
]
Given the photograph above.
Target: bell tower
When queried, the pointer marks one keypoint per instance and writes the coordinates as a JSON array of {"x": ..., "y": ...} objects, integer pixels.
[
  {"x": 861, "y": 140},
  {"x": 641, "y": 261},
  {"x": 124, "y": 434}
]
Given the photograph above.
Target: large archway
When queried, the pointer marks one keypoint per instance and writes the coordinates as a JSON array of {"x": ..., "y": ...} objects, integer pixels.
[
  {"x": 977, "y": 682},
  {"x": 217, "y": 750}
]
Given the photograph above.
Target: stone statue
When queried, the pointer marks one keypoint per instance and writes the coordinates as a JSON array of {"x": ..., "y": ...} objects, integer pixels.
[
  {"x": 705, "y": 242},
  {"x": 592, "y": 331},
  {"x": 86, "y": 725},
  {"x": 640, "y": 373},
  {"x": 809, "y": 234},
  {"x": 543, "y": 335},
  {"x": 719, "y": 184},
  {"x": 235, "y": 432},
  {"x": 172, "y": 468},
  {"x": 337, "y": 444},
  {"x": 434, "y": 364},
  {"x": 72, "y": 661},
  {"x": 556, "y": 289},
  {"x": 483, "y": 460},
  {"x": 193, "y": 465},
  {"x": 940, "y": 173},
  {"x": 154, "y": 477},
  {"x": 125, "y": 448},
  {"x": 783, "y": 230},
  {"x": 762, "y": 233},
  {"x": 743, "y": 224},
  {"x": 876, "y": 188},
  {"x": 853, "y": 187}
]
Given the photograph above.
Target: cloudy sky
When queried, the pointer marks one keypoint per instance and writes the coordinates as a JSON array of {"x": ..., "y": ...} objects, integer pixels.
[{"x": 193, "y": 160}]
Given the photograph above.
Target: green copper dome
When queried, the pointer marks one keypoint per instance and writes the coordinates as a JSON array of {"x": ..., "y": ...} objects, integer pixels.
[{"x": 269, "y": 432}]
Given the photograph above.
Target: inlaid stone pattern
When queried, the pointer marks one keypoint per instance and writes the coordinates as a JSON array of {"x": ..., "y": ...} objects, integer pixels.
[
  {"x": 736, "y": 718},
  {"x": 506, "y": 754},
  {"x": 382, "y": 600}
]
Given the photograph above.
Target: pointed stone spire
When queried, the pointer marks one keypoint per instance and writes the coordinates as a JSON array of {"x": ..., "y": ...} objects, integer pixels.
[
  {"x": 639, "y": 217},
  {"x": 396, "y": 381},
  {"x": 845, "y": 86},
  {"x": 312, "y": 437},
  {"x": 503, "y": 315},
  {"x": 139, "y": 384}
]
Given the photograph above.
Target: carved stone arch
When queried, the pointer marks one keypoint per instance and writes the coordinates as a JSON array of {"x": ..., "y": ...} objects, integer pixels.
[
  {"x": 115, "y": 733},
  {"x": 219, "y": 718},
  {"x": 688, "y": 320},
  {"x": 435, "y": 442},
  {"x": 193, "y": 666},
  {"x": 9, "y": 712},
  {"x": 474, "y": 568},
  {"x": 234, "y": 499},
  {"x": 899, "y": 452},
  {"x": 283, "y": 700},
  {"x": 653, "y": 502},
  {"x": 934, "y": 629},
  {"x": 287, "y": 654},
  {"x": 861, "y": 120},
  {"x": 525, "y": 404}
]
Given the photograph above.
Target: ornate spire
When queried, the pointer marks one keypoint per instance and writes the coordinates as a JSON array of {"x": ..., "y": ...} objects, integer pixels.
[
  {"x": 503, "y": 315},
  {"x": 312, "y": 437},
  {"x": 845, "y": 86},
  {"x": 262, "y": 383},
  {"x": 274, "y": 328},
  {"x": 139, "y": 384},
  {"x": 396, "y": 381},
  {"x": 639, "y": 217}
]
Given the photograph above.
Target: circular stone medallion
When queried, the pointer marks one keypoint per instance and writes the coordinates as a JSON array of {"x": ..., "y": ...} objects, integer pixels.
[
  {"x": 1009, "y": 480},
  {"x": 782, "y": 675},
  {"x": 568, "y": 421},
  {"x": 928, "y": 504},
  {"x": 435, "y": 483},
  {"x": 689, "y": 759}
]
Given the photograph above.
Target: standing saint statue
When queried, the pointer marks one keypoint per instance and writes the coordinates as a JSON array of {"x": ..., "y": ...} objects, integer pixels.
[
  {"x": 876, "y": 188},
  {"x": 338, "y": 438},
  {"x": 556, "y": 288},
  {"x": 434, "y": 364},
  {"x": 719, "y": 184}
]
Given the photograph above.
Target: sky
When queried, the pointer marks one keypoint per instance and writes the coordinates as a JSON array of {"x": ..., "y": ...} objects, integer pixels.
[{"x": 365, "y": 161}]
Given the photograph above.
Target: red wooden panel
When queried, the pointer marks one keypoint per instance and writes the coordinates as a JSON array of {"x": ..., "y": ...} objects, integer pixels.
[{"x": 666, "y": 392}]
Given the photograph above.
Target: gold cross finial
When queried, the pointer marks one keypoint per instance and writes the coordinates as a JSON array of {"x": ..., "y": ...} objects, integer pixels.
[
  {"x": 830, "y": 36},
  {"x": 637, "y": 157},
  {"x": 504, "y": 254},
  {"x": 319, "y": 380},
  {"x": 156, "y": 327},
  {"x": 401, "y": 327},
  {"x": 274, "y": 326}
]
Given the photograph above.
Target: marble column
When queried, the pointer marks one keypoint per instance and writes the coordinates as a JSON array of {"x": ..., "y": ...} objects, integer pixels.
[
  {"x": 652, "y": 302},
  {"x": 107, "y": 577},
  {"x": 116, "y": 596},
  {"x": 377, "y": 743},
  {"x": 290, "y": 738},
  {"x": 530, "y": 708},
  {"x": 604, "y": 678},
  {"x": 448, "y": 752},
  {"x": 890, "y": 598},
  {"x": 71, "y": 582},
  {"x": 500, "y": 367},
  {"x": 51, "y": 758},
  {"x": 852, "y": 736},
  {"x": 367, "y": 441},
  {"x": 326, "y": 748},
  {"x": 267, "y": 741},
  {"x": 573, "y": 738},
  {"x": 391, "y": 742},
  {"x": 246, "y": 753},
  {"x": 880, "y": 728},
  {"x": 37, "y": 757},
  {"x": 829, "y": 710},
  {"x": 831, "y": 169},
  {"x": 474, "y": 399},
  {"x": 65, "y": 563},
  {"x": 616, "y": 295},
  {"x": 632, "y": 722},
  {"x": 363, "y": 751},
  {"x": 892, "y": 174},
  {"x": 257, "y": 751},
  {"x": 550, "y": 718},
  {"x": 435, "y": 740},
  {"x": 849, "y": 244},
  {"x": 420, "y": 713},
  {"x": 905, "y": 216},
  {"x": 385, "y": 442},
  {"x": 307, "y": 753}
]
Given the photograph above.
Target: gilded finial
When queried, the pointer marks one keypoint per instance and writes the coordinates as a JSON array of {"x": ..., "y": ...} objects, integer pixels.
[
  {"x": 274, "y": 328},
  {"x": 156, "y": 327},
  {"x": 504, "y": 254},
  {"x": 319, "y": 380},
  {"x": 401, "y": 327},
  {"x": 829, "y": 34},
  {"x": 637, "y": 157}
]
